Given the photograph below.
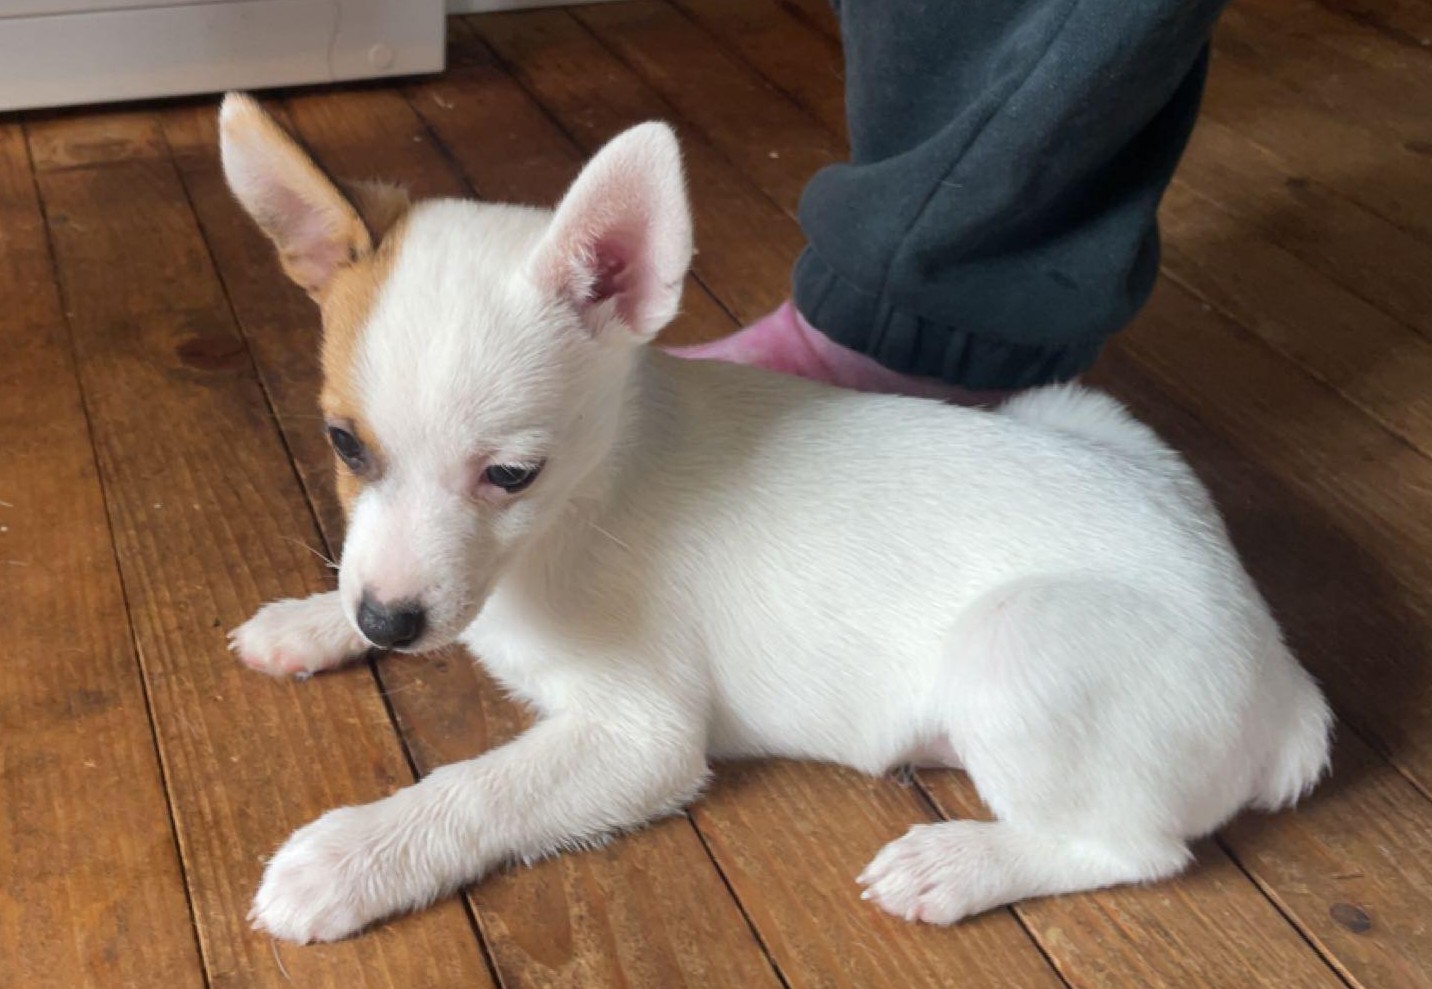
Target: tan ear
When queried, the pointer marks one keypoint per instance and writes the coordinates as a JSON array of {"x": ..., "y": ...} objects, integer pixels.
[{"x": 316, "y": 229}]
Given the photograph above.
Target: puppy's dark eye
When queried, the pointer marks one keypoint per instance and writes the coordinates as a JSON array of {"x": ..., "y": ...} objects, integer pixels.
[
  {"x": 511, "y": 477},
  {"x": 348, "y": 447}
]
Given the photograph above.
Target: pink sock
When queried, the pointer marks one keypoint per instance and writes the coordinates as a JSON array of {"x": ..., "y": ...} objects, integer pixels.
[{"x": 783, "y": 341}]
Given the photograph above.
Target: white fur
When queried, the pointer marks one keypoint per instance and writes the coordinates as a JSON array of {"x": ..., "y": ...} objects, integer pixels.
[
  {"x": 720, "y": 562},
  {"x": 298, "y": 637}
]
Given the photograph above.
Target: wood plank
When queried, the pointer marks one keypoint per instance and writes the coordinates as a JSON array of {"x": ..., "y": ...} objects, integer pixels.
[
  {"x": 795, "y": 879},
  {"x": 648, "y": 910},
  {"x": 1347, "y": 69},
  {"x": 209, "y": 523},
  {"x": 1370, "y": 921},
  {"x": 1345, "y": 242},
  {"x": 550, "y": 54},
  {"x": 83, "y": 903},
  {"x": 114, "y": 136},
  {"x": 778, "y": 43},
  {"x": 773, "y": 142},
  {"x": 1196, "y": 920},
  {"x": 1407, "y": 22},
  {"x": 818, "y": 14},
  {"x": 1344, "y": 154},
  {"x": 1378, "y": 362}
]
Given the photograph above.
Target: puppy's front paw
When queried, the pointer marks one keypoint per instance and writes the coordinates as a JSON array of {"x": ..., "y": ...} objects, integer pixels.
[
  {"x": 333, "y": 877},
  {"x": 297, "y": 636}
]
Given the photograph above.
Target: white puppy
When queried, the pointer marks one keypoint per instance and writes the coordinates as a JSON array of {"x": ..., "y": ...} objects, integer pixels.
[{"x": 674, "y": 561}]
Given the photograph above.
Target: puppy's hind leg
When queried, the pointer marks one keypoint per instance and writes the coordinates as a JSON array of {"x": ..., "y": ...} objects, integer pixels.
[{"x": 1066, "y": 703}]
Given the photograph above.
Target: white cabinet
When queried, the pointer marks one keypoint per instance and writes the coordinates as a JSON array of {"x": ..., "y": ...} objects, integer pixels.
[{"x": 59, "y": 52}]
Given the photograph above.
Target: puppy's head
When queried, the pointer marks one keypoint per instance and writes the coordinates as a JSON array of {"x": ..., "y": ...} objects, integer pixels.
[{"x": 475, "y": 356}]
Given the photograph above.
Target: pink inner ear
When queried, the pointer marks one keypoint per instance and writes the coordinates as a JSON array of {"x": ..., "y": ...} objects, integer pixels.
[
  {"x": 306, "y": 235},
  {"x": 612, "y": 276},
  {"x": 607, "y": 281}
]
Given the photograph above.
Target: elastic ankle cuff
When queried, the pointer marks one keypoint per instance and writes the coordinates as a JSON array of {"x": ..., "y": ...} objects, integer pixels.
[{"x": 908, "y": 343}]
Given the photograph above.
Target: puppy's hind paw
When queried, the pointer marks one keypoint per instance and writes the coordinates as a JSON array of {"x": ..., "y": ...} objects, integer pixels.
[
  {"x": 937, "y": 873},
  {"x": 297, "y": 637}
]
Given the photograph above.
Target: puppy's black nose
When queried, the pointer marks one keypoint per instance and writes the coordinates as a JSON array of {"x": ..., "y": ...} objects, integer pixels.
[{"x": 391, "y": 625}]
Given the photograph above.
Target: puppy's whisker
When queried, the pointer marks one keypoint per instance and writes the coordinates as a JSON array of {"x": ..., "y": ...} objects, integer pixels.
[
  {"x": 317, "y": 553},
  {"x": 273, "y": 942},
  {"x": 609, "y": 536}
]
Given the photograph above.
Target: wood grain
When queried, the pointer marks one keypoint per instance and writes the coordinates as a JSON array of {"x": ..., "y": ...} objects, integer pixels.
[
  {"x": 83, "y": 903},
  {"x": 1344, "y": 241},
  {"x": 208, "y": 522},
  {"x": 817, "y": 14},
  {"x": 779, "y": 146},
  {"x": 1354, "y": 866},
  {"x": 1407, "y": 22},
  {"x": 1341, "y": 153},
  {"x": 1375, "y": 360},
  {"x": 648, "y": 910},
  {"x": 770, "y": 38},
  {"x": 1346, "y": 69}
]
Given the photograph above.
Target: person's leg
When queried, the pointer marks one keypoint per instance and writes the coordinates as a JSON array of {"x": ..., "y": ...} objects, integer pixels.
[{"x": 996, "y": 221}]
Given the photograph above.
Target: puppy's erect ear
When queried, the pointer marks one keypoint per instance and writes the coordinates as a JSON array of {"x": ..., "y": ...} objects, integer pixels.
[
  {"x": 620, "y": 241},
  {"x": 316, "y": 229}
]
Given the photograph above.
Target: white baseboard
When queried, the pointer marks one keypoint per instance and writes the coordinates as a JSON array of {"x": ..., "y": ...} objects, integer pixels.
[{"x": 97, "y": 51}]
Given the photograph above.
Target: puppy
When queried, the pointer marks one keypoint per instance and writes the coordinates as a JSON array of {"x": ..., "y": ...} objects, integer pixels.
[{"x": 674, "y": 561}]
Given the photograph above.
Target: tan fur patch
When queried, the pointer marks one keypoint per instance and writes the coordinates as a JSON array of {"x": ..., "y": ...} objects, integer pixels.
[
  {"x": 325, "y": 234},
  {"x": 346, "y": 305}
]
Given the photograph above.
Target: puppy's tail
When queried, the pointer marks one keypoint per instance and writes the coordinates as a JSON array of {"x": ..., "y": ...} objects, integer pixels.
[
  {"x": 1087, "y": 415},
  {"x": 1299, "y": 754}
]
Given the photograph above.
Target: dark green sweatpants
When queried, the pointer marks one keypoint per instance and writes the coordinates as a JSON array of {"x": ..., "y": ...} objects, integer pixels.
[{"x": 996, "y": 221}]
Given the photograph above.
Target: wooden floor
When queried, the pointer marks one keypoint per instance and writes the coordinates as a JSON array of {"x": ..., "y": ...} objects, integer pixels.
[{"x": 161, "y": 476}]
